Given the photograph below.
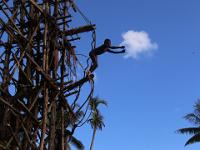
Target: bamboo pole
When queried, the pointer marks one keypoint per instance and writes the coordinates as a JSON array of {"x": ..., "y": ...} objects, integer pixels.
[{"x": 46, "y": 92}]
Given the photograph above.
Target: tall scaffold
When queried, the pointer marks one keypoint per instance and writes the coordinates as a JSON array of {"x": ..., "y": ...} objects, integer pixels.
[{"x": 40, "y": 83}]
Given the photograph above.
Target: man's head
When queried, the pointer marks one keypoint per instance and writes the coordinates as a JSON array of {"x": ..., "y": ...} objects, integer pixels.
[{"x": 107, "y": 42}]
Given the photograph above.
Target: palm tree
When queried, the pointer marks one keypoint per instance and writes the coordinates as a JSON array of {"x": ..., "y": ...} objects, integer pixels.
[
  {"x": 194, "y": 118},
  {"x": 96, "y": 121}
]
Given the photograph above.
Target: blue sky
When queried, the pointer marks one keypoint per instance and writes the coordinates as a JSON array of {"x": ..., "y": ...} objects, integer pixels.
[{"x": 147, "y": 96}]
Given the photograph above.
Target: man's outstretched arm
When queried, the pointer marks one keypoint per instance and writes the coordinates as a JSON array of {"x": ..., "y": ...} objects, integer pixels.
[
  {"x": 116, "y": 52},
  {"x": 117, "y": 47}
]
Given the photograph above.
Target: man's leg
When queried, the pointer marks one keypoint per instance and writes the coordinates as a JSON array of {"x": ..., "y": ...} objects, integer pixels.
[{"x": 94, "y": 63}]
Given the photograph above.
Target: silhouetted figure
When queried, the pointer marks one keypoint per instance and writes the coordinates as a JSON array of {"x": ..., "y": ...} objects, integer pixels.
[{"x": 106, "y": 47}]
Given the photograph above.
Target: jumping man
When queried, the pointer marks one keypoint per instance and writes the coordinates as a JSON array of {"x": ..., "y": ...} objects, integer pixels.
[{"x": 106, "y": 47}]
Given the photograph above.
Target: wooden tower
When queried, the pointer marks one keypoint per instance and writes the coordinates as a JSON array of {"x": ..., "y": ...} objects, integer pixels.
[{"x": 38, "y": 75}]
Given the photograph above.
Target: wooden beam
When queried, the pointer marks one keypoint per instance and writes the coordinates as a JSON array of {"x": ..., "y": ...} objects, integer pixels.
[
  {"x": 80, "y": 30},
  {"x": 79, "y": 83}
]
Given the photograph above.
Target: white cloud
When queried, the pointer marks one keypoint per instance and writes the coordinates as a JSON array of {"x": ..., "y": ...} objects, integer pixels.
[{"x": 137, "y": 42}]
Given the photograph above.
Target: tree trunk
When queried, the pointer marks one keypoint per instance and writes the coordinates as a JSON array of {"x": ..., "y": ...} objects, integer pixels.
[{"x": 93, "y": 137}]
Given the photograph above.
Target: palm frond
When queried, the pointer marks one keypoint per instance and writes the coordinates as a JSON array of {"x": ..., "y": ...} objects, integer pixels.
[
  {"x": 101, "y": 101},
  {"x": 193, "y": 118},
  {"x": 96, "y": 101},
  {"x": 97, "y": 120},
  {"x": 197, "y": 107},
  {"x": 79, "y": 114},
  {"x": 78, "y": 144},
  {"x": 191, "y": 130},
  {"x": 194, "y": 139}
]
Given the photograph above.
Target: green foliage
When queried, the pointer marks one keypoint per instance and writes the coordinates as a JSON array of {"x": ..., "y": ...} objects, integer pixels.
[
  {"x": 96, "y": 120},
  {"x": 194, "y": 118}
]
